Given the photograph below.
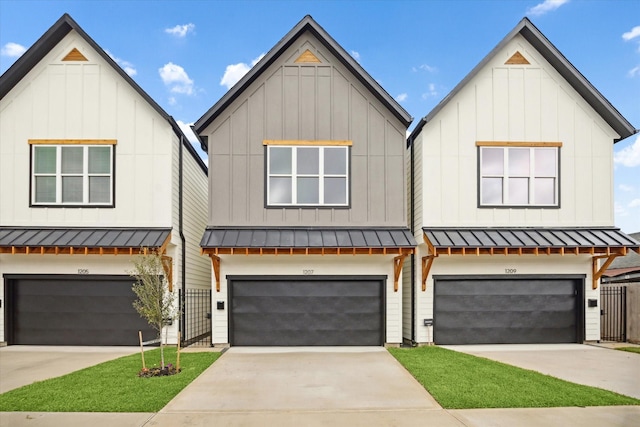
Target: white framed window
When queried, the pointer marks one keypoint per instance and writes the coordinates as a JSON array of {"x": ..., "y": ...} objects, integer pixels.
[
  {"x": 72, "y": 174},
  {"x": 307, "y": 175},
  {"x": 519, "y": 176}
]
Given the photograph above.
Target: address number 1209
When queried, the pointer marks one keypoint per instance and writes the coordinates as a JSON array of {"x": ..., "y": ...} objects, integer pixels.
[{"x": 510, "y": 271}]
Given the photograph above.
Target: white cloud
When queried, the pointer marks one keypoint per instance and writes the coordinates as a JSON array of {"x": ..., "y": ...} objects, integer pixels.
[
  {"x": 629, "y": 35},
  {"x": 180, "y": 30},
  {"x": 13, "y": 50},
  {"x": 432, "y": 91},
  {"x": 356, "y": 55},
  {"x": 635, "y": 71},
  {"x": 545, "y": 6},
  {"x": 629, "y": 156},
  {"x": 173, "y": 100},
  {"x": 176, "y": 78},
  {"x": 634, "y": 203},
  {"x": 235, "y": 72},
  {"x": 402, "y": 97},
  {"x": 425, "y": 67},
  {"x": 619, "y": 210},
  {"x": 127, "y": 66},
  {"x": 625, "y": 187}
]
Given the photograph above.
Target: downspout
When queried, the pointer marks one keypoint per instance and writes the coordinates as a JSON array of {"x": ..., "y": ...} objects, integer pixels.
[
  {"x": 413, "y": 255},
  {"x": 183, "y": 267}
]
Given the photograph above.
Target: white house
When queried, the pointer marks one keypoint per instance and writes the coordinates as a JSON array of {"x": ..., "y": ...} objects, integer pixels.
[
  {"x": 512, "y": 202},
  {"x": 94, "y": 172}
]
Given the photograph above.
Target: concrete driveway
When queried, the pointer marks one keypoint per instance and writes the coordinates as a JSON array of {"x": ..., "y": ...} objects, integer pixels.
[
  {"x": 605, "y": 368},
  {"x": 21, "y": 365}
]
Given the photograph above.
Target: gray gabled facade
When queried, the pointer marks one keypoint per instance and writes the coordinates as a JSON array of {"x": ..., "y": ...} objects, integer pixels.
[{"x": 310, "y": 142}]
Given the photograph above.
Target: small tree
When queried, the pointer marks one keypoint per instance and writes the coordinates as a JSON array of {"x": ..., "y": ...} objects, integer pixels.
[{"x": 154, "y": 303}]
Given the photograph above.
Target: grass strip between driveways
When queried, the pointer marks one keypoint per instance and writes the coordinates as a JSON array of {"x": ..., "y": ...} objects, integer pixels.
[
  {"x": 629, "y": 349},
  {"x": 461, "y": 381},
  {"x": 111, "y": 386}
]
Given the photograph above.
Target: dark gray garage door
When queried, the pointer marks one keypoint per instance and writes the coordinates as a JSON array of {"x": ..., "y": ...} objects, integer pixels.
[
  {"x": 306, "y": 311},
  {"x": 496, "y": 310},
  {"x": 72, "y": 310}
]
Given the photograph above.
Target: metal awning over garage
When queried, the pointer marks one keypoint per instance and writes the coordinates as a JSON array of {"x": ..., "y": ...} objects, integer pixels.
[
  {"x": 308, "y": 241},
  {"x": 80, "y": 240},
  {"x": 598, "y": 242}
]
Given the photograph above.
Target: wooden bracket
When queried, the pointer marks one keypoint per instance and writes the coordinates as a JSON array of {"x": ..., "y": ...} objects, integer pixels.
[
  {"x": 215, "y": 261},
  {"x": 597, "y": 273},
  {"x": 167, "y": 266},
  {"x": 397, "y": 270},
  {"x": 427, "y": 262}
]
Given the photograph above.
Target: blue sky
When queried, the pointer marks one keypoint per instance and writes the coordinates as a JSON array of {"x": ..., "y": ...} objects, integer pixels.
[{"x": 185, "y": 54}]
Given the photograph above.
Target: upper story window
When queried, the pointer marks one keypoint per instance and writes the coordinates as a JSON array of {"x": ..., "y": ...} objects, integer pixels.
[
  {"x": 72, "y": 173},
  {"x": 307, "y": 175},
  {"x": 519, "y": 174}
]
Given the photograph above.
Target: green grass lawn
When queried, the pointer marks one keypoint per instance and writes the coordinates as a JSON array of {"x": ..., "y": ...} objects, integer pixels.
[
  {"x": 629, "y": 349},
  {"x": 110, "y": 387},
  {"x": 461, "y": 381}
]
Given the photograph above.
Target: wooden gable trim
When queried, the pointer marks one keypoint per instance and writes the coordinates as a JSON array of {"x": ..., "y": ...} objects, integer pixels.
[
  {"x": 308, "y": 57},
  {"x": 307, "y": 142},
  {"x": 75, "y": 250},
  {"x": 517, "y": 59},
  {"x": 74, "y": 55},
  {"x": 517, "y": 144},
  {"x": 519, "y": 251},
  {"x": 73, "y": 142}
]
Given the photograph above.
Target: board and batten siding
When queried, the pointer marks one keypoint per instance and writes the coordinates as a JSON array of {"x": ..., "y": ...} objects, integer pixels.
[
  {"x": 306, "y": 101},
  {"x": 85, "y": 100},
  {"x": 516, "y": 103}
]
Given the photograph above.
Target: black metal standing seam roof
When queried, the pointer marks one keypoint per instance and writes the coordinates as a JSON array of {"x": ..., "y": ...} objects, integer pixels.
[
  {"x": 571, "y": 74},
  {"x": 83, "y": 237},
  {"x": 316, "y": 237},
  {"x": 306, "y": 24},
  {"x": 529, "y": 238}
]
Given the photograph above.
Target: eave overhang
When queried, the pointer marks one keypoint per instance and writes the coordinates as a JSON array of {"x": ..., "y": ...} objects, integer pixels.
[
  {"x": 83, "y": 241},
  {"x": 528, "y": 241},
  {"x": 307, "y": 241}
]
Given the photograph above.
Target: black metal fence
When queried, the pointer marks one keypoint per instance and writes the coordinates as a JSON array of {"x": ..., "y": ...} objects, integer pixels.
[
  {"x": 613, "y": 313},
  {"x": 195, "y": 328}
]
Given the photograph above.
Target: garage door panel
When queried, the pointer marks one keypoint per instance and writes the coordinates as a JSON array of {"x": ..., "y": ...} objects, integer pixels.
[
  {"x": 313, "y": 312},
  {"x": 75, "y": 311},
  {"x": 495, "y": 302},
  {"x": 487, "y": 311}
]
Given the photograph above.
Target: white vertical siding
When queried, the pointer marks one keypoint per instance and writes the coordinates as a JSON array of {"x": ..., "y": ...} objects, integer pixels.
[
  {"x": 517, "y": 103},
  {"x": 87, "y": 100}
]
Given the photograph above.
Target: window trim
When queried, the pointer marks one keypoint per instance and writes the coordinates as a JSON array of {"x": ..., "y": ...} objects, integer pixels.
[
  {"x": 518, "y": 144},
  {"x": 80, "y": 143},
  {"x": 294, "y": 144}
]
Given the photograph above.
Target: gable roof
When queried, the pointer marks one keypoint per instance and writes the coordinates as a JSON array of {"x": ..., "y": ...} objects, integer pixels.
[
  {"x": 306, "y": 24},
  {"x": 562, "y": 65},
  {"x": 49, "y": 40}
]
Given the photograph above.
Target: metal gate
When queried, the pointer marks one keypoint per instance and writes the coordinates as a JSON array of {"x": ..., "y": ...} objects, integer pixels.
[
  {"x": 195, "y": 328},
  {"x": 613, "y": 313}
]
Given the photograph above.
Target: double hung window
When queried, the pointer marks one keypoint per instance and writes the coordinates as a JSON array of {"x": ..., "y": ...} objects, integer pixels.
[
  {"x": 519, "y": 176},
  {"x": 72, "y": 174},
  {"x": 307, "y": 175}
]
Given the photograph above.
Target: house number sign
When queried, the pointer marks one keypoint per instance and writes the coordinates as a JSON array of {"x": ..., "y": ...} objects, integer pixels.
[
  {"x": 83, "y": 271},
  {"x": 510, "y": 271},
  {"x": 307, "y": 272}
]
